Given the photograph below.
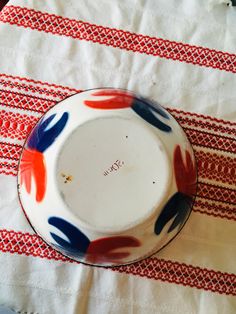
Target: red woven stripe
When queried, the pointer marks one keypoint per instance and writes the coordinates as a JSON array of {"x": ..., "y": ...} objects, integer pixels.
[
  {"x": 35, "y": 86},
  {"x": 193, "y": 115},
  {"x": 216, "y": 193},
  {"x": 58, "y": 25},
  {"x": 10, "y": 151},
  {"x": 11, "y": 154},
  {"x": 216, "y": 167},
  {"x": 153, "y": 268},
  {"x": 8, "y": 168},
  {"x": 180, "y": 273},
  {"x": 205, "y": 125},
  {"x": 26, "y": 102},
  {"x": 210, "y": 140},
  {"x": 15, "y": 125},
  {"x": 6, "y": 171},
  {"x": 190, "y": 118},
  {"x": 215, "y": 209},
  {"x": 28, "y": 244},
  {"x": 18, "y": 122},
  {"x": 21, "y": 100}
]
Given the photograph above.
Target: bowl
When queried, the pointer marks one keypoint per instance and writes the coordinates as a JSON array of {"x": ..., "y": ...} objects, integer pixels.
[{"x": 107, "y": 177}]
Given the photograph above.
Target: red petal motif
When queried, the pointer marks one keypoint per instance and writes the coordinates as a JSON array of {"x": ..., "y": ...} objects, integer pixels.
[
  {"x": 118, "y": 100},
  {"x": 101, "y": 250},
  {"x": 32, "y": 165},
  {"x": 185, "y": 172}
]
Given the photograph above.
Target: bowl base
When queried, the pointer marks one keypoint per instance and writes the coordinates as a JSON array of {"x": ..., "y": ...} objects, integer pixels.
[{"x": 112, "y": 173}]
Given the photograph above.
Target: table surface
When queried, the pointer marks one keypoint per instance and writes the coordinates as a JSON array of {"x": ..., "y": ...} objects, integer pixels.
[{"x": 179, "y": 54}]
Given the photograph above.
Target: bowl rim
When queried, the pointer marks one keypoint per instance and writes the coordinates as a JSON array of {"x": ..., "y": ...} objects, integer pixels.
[{"x": 108, "y": 265}]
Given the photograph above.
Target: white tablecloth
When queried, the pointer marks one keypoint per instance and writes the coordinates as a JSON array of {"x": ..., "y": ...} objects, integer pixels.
[{"x": 179, "y": 53}]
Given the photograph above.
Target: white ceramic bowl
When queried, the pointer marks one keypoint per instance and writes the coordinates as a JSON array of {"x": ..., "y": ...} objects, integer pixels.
[{"x": 107, "y": 177}]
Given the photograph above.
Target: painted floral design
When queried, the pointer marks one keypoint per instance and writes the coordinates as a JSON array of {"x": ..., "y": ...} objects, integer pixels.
[
  {"x": 185, "y": 172},
  {"x": 179, "y": 205},
  {"x": 120, "y": 99},
  {"x": 97, "y": 251},
  {"x": 32, "y": 164},
  {"x": 151, "y": 114},
  {"x": 77, "y": 243}
]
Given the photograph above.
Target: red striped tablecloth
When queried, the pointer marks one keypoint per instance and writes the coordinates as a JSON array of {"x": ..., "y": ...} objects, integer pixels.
[{"x": 47, "y": 47}]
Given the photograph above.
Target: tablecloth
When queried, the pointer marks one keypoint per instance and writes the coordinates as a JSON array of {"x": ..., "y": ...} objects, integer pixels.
[{"x": 179, "y": 53}]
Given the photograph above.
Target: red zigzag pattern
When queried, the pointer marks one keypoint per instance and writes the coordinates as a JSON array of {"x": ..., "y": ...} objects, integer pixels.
[
  {"x": 22, "y": 101},
  {"x": 153, "y": 268},
  {"x": 15, "y": 125},
  {"x": 59, "y": 25}
]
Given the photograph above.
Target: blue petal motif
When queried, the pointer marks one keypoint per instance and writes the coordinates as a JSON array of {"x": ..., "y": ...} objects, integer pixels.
[
  {"x": 78, "y": 242},
  {"x": 41, "y": 139},
  {"x": 178, "y": 206},
  {"x": 150, "y": 113}
]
